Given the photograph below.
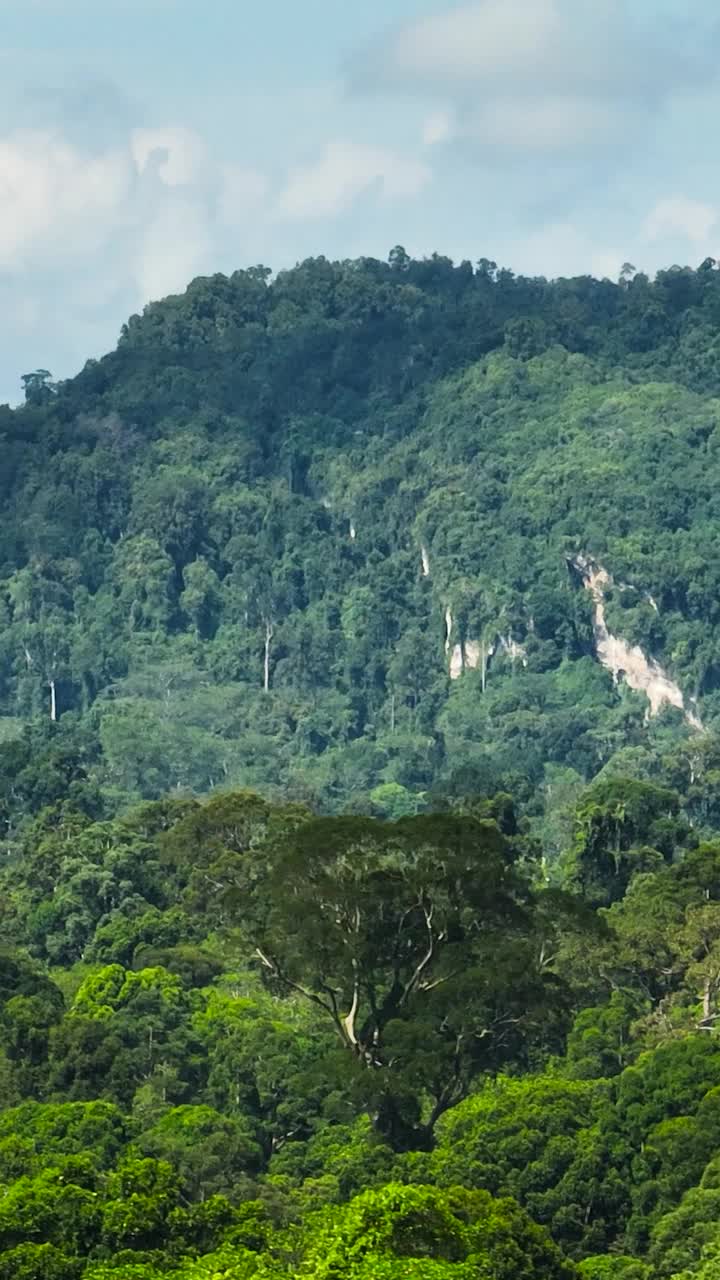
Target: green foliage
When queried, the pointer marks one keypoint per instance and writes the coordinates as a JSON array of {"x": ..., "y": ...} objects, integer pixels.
[
  {"x": 520, "y": 1138},
  {"x": 33, "y": 1134},
  {"x": 209, "y": 1151},
  {"x": 230, "y": 547},
  {"x": 613, "y": 1268},
  {"x": 317, "y": 961},
  {"x": 600, "y": 1042},
  {"x": 449, "y": 1233},
  {"x": 310, "y": 1008},
  {"x": 624, "y": 827},
  {"x": 38, "y": 1262},
  {"x": 417, "y": 940}
]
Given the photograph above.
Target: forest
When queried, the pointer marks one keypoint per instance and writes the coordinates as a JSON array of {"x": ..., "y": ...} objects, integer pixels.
[{"x": 360, "y": 784}]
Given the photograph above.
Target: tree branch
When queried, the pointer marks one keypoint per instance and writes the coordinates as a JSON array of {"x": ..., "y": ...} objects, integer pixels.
[
  {"x": 422, "y": 965},
  {"x": 348, "y": 1021},
  {"x": 277, "y": 972}
]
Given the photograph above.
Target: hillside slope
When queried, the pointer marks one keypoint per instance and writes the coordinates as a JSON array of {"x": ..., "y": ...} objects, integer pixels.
[{"x": 329, "y": 535}]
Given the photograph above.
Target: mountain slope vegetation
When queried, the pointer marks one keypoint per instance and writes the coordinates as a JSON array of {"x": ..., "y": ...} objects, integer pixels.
[
  {"x": 360, "y": 784},
  {"x": 232, "y": 548}
]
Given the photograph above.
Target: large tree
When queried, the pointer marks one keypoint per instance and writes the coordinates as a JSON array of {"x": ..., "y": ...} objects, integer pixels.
[{"x": 420, "y": 942}]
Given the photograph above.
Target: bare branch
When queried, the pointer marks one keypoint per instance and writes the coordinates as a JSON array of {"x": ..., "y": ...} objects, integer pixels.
[
  {"x": 422, "y": 965},
  {"x": 277, "y": 972}
]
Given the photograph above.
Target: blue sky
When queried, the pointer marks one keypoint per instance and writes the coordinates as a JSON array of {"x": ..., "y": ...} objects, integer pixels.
[{"x": 143, "y": 142}]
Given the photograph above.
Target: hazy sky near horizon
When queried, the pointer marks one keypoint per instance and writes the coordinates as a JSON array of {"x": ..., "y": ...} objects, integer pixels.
[{"x": 143, "y": 142}]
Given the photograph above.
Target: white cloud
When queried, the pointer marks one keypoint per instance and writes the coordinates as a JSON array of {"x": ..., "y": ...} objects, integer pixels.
[
  {"x": 567, "y": 247},
  {"x": 477, "y": 40},
  {"x": 606, "y": 264},
  {"x": 145, "y": 212},
  {"x": 535, "y": 74},
  {"x": 89, "y": 233},
  {"x": 53, "y": 199},
  {"x": 691, "y": 220},
  {"x": 561, "y": 248},
  {"x": 550, "y": 123},
  {"x": 438, "y": 127},
  {"x": 343, "y": 172},
  {"x": 174, "y": 246},
  {"x": 571, "y": 247}
]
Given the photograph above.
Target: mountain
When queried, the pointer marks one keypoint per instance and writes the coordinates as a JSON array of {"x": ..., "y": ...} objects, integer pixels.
[
  {"x": 360, "y": 784},
  {"x": 347, "y": 532}
]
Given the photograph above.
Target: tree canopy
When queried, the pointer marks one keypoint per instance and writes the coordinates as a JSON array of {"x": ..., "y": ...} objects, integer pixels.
[{"x": 359, "y": 776}]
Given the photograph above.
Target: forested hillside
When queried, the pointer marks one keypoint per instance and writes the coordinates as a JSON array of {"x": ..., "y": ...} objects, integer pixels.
[
  {"x": 360, "y": 784},
  {"x": 241, "y": 1041},
  {"x": 250, "y": 546}
]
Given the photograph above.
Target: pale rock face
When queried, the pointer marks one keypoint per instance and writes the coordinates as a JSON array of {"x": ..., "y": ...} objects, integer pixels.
[
  {"x": 476, "y": 654},
  {"x": 621, "y": 659},
  {"x": 473, "y": 654},
  {"x": 456, "y": 662},
  {"x": 453, "y": 652}
]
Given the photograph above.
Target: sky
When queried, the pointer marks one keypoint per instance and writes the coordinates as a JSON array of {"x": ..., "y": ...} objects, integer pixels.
[{"x": 145, "y": 142}]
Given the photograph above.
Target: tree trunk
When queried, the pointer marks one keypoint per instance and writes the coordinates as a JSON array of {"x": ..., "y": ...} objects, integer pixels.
[
  {"x": 398, "y": 1130},
  {"x": 268, "y": 638}
]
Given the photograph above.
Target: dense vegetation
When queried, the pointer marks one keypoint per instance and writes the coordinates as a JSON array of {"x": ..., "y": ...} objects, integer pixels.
[
  {"x": 316, "y": 961},
  {"x": 212, "y": 547},
  {"x": 241, "y": 1040}
]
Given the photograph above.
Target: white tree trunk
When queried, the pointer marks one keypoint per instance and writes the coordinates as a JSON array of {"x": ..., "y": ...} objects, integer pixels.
[{"x": 268, "y": 638}]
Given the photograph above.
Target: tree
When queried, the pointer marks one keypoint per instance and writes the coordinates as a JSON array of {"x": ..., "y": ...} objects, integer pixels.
[
  {"x": 434, "y": 1235},
  {"x": 50, "y": 1208},
  {"x": 415, "y": 940},
  {"x": 520, "y": 1138},
  {"x": 210, "y": 1152},
  {"x": 141, "y": 1197},
  {"x": 399, "y": 259},
  {"x": 623, "y": 826},
  {"x": 614, "y": 1267},
  {"x": 38, "y": 387},
  {"x": 38, "y": 1262},
  {"x": 201, "y": 597}
]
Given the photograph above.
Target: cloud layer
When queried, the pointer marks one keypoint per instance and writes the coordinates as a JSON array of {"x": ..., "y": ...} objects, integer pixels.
[
  {"x": 344, "y": 171},
  {"x": 536, "y": 74}
]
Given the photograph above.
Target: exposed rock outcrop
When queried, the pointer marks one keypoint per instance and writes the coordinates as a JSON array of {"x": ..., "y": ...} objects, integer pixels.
[
  {"x": 474, "y": 655},
  {"x": 628, "y": 661}
]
